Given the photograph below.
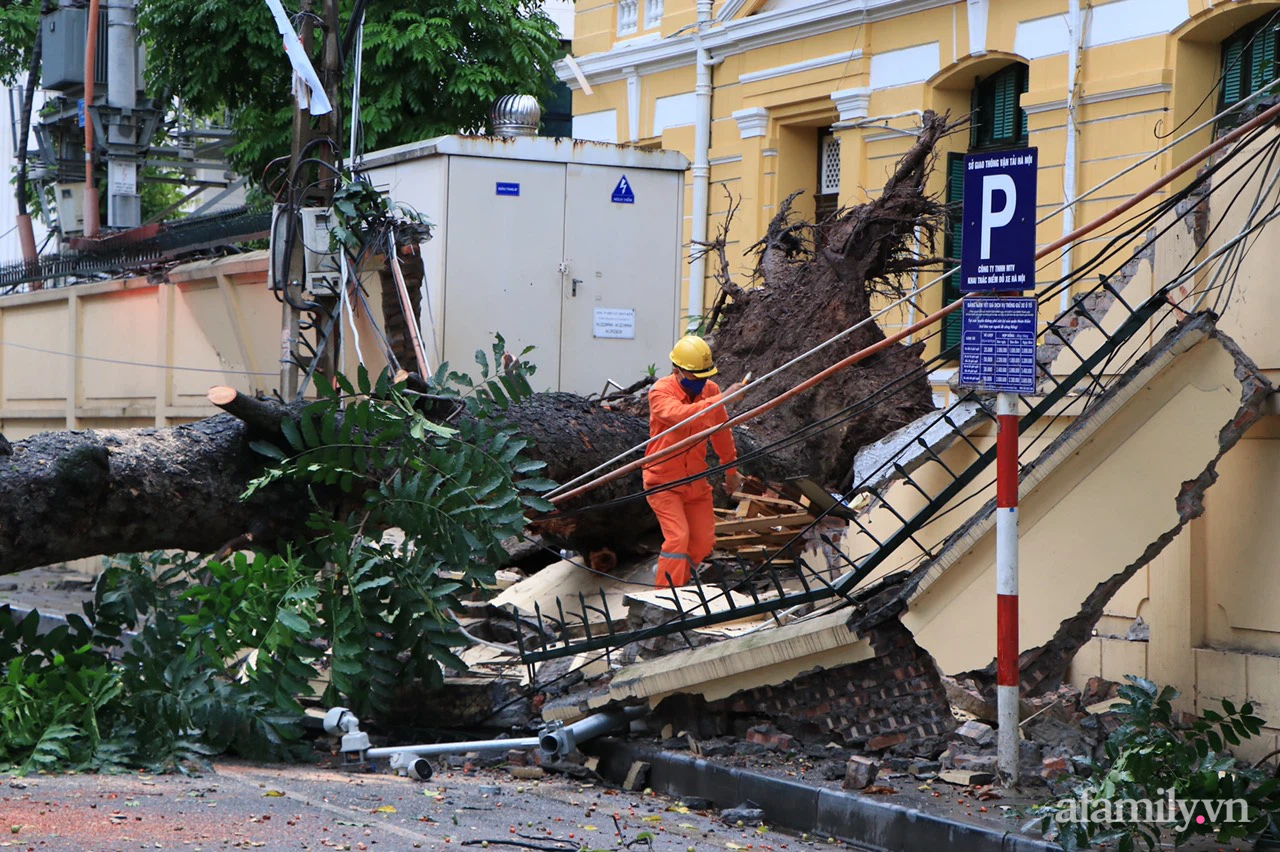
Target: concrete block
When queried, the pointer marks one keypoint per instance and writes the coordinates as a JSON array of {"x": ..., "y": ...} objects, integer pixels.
[
  {"x": 637, "y": 776},
  {"x": 977, "y": 733},
  {"x": 860, "y": 773}
]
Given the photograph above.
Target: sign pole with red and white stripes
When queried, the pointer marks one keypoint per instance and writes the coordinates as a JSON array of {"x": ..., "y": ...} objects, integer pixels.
[{"x": 1007, "y": 680}]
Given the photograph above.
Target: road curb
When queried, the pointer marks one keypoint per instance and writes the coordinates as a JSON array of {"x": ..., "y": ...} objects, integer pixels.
[{"x": 859, "y": 820}]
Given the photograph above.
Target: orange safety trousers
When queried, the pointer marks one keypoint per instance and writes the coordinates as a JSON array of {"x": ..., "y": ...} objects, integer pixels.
[{"x": 688, "y": 522}]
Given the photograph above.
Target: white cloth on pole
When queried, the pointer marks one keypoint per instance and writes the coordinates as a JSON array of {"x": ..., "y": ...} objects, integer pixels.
[{"x": 307, "y": 87}]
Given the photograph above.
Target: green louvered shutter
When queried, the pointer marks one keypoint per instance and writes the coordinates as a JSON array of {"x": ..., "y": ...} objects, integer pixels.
[
  {"x": 1006, "y": 107},
  {"x": 1026, "y": 84},
  {"x": 1232, "y": 71},
  {"x": 1263, "y": 60},
  {"x": 975, "y": 116},
  {"x": 951, "y": 328}
]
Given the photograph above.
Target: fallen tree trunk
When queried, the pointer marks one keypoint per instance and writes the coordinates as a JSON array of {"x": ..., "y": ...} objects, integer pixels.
[{"x": 68, "y": 495}]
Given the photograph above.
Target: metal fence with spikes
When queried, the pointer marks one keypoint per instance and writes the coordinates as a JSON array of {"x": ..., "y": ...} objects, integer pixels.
[{"x": 709, "y": 607}]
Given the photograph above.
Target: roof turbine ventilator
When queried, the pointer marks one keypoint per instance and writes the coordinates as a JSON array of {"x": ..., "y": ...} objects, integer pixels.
[{"x": 515, "y": 115}]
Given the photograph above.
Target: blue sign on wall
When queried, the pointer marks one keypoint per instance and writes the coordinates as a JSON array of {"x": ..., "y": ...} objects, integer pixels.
[
  {"x": 508, "y": 188},
  {"x": 999, "y": 238},
  {"x": 998, "y": 346},
  {"x": 622, "y": 193},
  {"x": 80, "y": 112}
]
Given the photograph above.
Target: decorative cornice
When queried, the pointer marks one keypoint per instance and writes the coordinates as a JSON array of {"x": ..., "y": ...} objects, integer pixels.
[
  {"x": 725, "y": 161},
  {"x": 800, "y": 67},
  {"x": 752, "y": 122},
  {"x": 853, "y": 104},
  {"x": 738, "y": 36},
  {"x": 1101, "y": 97}
]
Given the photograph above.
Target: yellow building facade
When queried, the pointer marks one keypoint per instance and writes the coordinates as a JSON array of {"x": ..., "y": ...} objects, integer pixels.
[{"x": 824, "y": 97}]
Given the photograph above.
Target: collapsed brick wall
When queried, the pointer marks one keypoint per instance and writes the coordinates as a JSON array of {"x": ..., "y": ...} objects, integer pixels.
[{"x": 894, "y": 701}]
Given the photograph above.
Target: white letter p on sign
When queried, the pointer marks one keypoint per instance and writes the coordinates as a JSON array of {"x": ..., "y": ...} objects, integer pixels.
[{"x": 992, "y": 219}]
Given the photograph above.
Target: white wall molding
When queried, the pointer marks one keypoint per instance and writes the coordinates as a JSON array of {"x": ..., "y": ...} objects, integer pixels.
[
  {"x": 979, "y": 13},
  {"x": 800, "y": 67},
  {"x": 766, "y": 29},
  {"x": 674, "y": 111},
  {"x": 853, "y": 104},
  {"x": 633, "y": 104},
  {"x": 597, "y": 126},
  {"x": 769, "y": 152},
  {"x": 1102, "y": 97},
  {"x": 752, "y": 122},
  {"x": 1041, "y": 37},
  {"x": 905, "y": 66},
  {"x": 725, "y": 161},
  {"x": 1127, "y": 20}
]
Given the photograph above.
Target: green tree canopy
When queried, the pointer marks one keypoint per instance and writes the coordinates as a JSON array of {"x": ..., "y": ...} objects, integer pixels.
[{"x": 430, "y": 66}]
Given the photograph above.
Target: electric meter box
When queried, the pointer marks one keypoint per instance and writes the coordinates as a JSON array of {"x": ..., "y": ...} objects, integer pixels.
[{"x": 571, "y": 247}]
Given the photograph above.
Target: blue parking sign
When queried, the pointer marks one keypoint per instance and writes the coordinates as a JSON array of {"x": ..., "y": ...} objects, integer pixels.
[{"x": 999, "y": 237}]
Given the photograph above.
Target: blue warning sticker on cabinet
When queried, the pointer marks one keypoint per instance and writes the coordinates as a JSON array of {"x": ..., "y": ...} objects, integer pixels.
[{"x": 622, "y": 193}]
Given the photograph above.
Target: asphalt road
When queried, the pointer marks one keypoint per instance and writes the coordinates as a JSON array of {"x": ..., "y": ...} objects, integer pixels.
[{"x": 243, "y": 806}]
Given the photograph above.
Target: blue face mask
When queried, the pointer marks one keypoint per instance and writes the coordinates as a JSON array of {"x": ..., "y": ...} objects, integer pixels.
[{"x": 693, "y": 386}]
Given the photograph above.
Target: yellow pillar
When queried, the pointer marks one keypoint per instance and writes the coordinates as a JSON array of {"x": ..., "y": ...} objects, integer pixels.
[
  {"x": 853, "y": 105},
  {"x": 749, "y": 224}
]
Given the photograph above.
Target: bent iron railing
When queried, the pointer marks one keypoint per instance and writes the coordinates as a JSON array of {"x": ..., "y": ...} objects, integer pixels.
[{"x": 1084, "y": 379}]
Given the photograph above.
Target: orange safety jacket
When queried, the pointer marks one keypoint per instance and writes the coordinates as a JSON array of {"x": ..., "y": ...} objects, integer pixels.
[{"x": 669, "y": 404}]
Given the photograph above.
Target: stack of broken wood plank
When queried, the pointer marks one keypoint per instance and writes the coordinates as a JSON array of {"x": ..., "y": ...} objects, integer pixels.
[{"x": 766, "y": 518}]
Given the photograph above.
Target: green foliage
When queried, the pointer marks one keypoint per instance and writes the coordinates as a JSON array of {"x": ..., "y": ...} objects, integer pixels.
[
  {"x": 364, "y": 216},
  {"x": 454, "y": 489},
  {"x": 430, "y": 67},
  {"x": 163, "y": 702},
  {"x": 1149, "y": 755},
  {"x": 225, "y": 649},
  {"x": 18, "y": 20}
]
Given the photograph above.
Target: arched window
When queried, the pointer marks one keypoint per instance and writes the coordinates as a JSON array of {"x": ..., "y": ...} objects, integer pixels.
[
  {"x": 998, "y": 118},
  {"x": 1249, "y": 60}
]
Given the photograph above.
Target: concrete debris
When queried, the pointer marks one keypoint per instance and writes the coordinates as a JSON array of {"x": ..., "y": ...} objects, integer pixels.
[
  {"x": 1140, "y": 631},
  {"x": 528, "y": 773},
  {"x": 975, "y": 762},
  {"x": 966, "y": 778},
  {"x": 1098, "y": 689},
  {"x": 967, "y": 699},
  {"x": 1054, "y": 768},
  {"x": 766, "y": 736},
  {"x": 977, "y": 733},
  {"x": 747, "y": 813},
  {"x": 835, "y": 770},
  {"x": 637, "y": 776},
  {"x": 860, "y": 773},
  {"x": 924, "y": 768}
]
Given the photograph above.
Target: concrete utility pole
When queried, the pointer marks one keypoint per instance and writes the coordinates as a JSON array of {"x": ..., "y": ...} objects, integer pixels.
[
  {"x": 321, "y": 195},
  {"x": 124, "y": 204},
  {"x": 1007, "y": 669}
]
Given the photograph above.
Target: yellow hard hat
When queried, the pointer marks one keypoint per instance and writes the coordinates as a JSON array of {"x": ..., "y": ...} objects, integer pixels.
[{"x": 693, "y": 354}]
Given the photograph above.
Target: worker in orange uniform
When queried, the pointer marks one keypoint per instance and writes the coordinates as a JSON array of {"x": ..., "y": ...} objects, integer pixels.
[{"x": 685, "y": 511}]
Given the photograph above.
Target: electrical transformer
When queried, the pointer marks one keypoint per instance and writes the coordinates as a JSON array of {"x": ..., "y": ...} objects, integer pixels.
[{"x": 571, "y": 247}]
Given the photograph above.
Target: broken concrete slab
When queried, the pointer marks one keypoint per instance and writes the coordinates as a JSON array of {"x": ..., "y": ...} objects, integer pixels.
[
  {"x": 901, "y": 452},
  {"x": 763, "y": 658}
]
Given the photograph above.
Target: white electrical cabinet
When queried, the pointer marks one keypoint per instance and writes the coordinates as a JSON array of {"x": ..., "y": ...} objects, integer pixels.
[{"x": 571, "y": 247}]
